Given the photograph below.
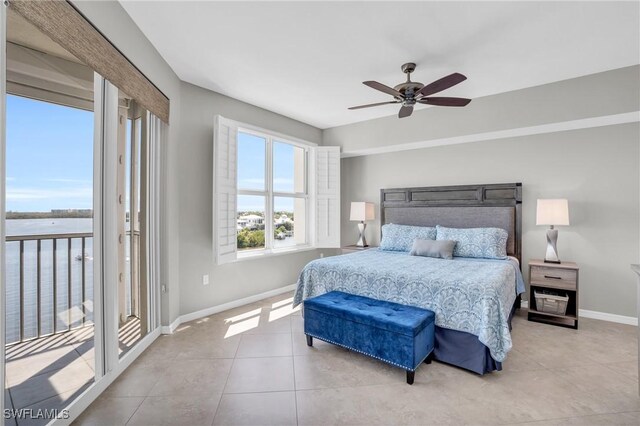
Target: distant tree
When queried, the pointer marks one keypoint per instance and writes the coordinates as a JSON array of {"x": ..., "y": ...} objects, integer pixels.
[
  {"x": 256, "y": 239},
  {"x": 243, "y": 238},
  {"x": 288, "y": 226},
  {"x": 250, "y": 238}
]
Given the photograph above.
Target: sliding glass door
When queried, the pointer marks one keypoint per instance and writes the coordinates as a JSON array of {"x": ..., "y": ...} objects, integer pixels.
[
  {"x": 133, "y": 300},
  {"x": 79, "y": 201},
  {"x": 49, "y": 290}
]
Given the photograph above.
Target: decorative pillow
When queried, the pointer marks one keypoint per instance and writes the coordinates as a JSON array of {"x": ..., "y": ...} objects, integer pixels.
[
  {"x": 401, "y": 237},
  {"x": 429, "y": 248},
  {"x": 487, "y": 243}
]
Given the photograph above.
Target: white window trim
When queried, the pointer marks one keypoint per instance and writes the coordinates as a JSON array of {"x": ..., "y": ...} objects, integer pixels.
[
  {"x": 322, "y": 191},
  {"x": 269, "y": 194}
]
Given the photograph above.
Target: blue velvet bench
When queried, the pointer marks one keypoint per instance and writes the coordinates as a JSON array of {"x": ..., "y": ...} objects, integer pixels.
[{"x": 398, "y": 334}]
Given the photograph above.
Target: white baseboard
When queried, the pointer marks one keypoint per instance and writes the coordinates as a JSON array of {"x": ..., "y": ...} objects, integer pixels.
[
  {"x": 608, "y": 317},
  {"x": 169, "y": 329},
  {"x": 225, "y": 306},
  {"x": 604, "y": 316}
]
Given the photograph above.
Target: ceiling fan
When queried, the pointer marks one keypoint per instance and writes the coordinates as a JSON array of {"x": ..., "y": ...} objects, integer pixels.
[{"x": 411, "y": 92}]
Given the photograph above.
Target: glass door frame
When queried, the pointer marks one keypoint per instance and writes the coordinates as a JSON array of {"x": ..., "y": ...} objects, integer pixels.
[
  {"x": 105, "y": 230},
  {"x": 3, "y": 103}
]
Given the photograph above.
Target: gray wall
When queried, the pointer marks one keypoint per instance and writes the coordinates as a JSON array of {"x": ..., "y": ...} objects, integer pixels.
[
  {"x": 187, "y": 206},
  {"x": 607, "y": 93},
  {"x": 596, "y": 169},
  {"x": 245, "y": 278},
  {"x": 603, "y": 237},
  {"x": 112, "y": 20}
]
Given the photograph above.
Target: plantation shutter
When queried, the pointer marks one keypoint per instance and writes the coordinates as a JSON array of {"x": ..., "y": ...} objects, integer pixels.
[
  {"x": 224, "y": 218},
  {"x": 327, "y": 165}
]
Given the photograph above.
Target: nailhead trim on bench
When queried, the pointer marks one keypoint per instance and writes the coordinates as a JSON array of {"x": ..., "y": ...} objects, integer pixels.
[{"x": 367, "y": 354}]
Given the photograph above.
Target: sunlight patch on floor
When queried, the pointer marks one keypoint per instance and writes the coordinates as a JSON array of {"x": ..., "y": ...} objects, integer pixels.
[
  {"x": 282, "y": 312},
  {"x": 182, "y": 328},
  {"x": 242, "y": 326},
  {"x": 246, "y": 315},
  {"x": 282, "y": 303},
  {"x": 71, "y": 316},
  {"x": 35, "y": 346}
]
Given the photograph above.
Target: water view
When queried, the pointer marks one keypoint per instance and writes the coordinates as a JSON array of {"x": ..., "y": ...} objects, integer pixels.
[{"x": 67, "y": 258}]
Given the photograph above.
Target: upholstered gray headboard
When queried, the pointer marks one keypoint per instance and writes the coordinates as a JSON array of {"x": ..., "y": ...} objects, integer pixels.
[{"x": 466, "y": 206}]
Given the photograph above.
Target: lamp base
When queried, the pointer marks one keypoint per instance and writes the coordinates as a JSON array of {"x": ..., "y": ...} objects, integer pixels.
[
  {"x": 362, "y": 241},
  {"x": 552, "y": 250}
]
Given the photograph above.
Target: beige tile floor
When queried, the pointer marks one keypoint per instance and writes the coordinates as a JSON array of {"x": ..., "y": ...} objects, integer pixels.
[
  {"x": 50, "y": 372},
  {"x": 251, "y": 366}
]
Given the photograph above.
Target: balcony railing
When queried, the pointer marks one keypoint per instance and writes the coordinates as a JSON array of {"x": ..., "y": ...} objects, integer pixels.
[{"x": 51, "y": 291}]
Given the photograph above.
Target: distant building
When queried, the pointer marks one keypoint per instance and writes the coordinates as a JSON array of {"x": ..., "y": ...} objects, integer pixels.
[
  {"x": 64, "y": 211},
  {"x": 249, "y": 221},
  {"x": 282, "y": 220}
]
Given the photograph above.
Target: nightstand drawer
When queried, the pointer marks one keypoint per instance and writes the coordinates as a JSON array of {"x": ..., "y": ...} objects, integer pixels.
[{"x": 565, "y": 279}]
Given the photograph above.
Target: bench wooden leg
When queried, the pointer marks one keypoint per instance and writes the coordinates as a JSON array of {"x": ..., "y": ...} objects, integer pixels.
[
  {"x": 429, "y": 358},
  {"x": 410, "y": 376},
  {"x": 309, "y": 340}
]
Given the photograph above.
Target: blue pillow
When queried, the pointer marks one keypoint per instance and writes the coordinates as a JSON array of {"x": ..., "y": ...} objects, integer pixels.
[
  {"x": 401, "y": 237},
  {"x": 485, "y": 243}
]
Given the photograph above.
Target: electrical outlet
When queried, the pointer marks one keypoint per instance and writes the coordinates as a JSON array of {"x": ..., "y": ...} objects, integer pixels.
[
  {"x": 164, "y": 288},
  {"x": 205, "y": 280},
  {"x": 321, "y": 255}
]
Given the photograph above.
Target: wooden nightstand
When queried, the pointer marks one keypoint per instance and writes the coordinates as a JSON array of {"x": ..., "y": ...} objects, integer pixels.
[
  {"x": 555, "y": 277},
  {"x": 354, "y": 248}
]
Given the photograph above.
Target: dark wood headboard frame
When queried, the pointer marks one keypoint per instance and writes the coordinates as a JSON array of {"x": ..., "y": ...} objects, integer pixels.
[{"x": 491, "y": 195}]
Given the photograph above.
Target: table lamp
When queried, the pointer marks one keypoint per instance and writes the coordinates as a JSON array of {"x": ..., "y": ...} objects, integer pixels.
[
  {"x": 553, "y": 212},
  {"x": 362, "y": 211}
]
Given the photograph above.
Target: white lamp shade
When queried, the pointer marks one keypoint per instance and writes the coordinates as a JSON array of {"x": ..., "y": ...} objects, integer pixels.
[
  {"x": 362, "y": 211},
  {"x": 552, "y": 212}
]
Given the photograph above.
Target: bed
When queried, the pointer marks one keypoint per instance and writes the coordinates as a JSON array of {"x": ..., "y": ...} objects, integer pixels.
[{"x": 474, "y": 299}]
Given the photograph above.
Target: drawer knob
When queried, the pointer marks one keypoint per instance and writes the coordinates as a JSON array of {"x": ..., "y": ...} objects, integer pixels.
[{"x": 552, "y": 277}]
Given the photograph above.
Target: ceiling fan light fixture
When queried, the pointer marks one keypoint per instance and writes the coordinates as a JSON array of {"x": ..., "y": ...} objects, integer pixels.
[{"x": 410, "y": 92}]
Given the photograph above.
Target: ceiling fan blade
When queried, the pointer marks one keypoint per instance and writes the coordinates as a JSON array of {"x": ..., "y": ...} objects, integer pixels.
[
  {"x": 442, "y": 84},
  {"x": 372, "y": 105},
  {"x": 405, "y": 111},
  {"x": 452, "y": 102},
  {"x": 381, "y": 87}
]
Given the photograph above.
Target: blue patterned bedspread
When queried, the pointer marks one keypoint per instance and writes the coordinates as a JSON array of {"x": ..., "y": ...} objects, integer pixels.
[{"x": 471, "y": 295}]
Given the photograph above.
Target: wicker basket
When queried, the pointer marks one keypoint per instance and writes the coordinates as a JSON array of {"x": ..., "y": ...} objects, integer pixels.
[{"x": 551, "y": 303}]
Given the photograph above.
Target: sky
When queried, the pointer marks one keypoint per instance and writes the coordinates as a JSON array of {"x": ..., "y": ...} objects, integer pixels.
[
  {"x": 50, "y": 160},
  {"x": 251, "y": 172},
  {"x": 49, "y": 156}
]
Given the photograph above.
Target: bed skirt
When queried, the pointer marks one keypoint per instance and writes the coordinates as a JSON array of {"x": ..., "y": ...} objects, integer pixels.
[{"x": 464, "y": 350}]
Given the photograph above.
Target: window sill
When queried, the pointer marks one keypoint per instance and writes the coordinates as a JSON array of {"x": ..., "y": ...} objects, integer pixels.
[{"x": 260, "y": 254}]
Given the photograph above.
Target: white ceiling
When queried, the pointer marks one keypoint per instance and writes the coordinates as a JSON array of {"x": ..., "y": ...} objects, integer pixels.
[{"x": 306, "y": 60}]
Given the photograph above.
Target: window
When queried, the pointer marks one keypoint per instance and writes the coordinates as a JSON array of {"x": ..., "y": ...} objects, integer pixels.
[{"x": 274, "y": 193}]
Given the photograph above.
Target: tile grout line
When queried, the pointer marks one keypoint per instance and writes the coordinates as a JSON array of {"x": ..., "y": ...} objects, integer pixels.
[
  {"x": 136, "y": 410},
  {"x": 295, "y": 386},
  {"x": 573, "y": 417},
  {"x": 235, "y": 354},
  {"x": 15, "y": 420},
  {"x": 92, "y": 367}
]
